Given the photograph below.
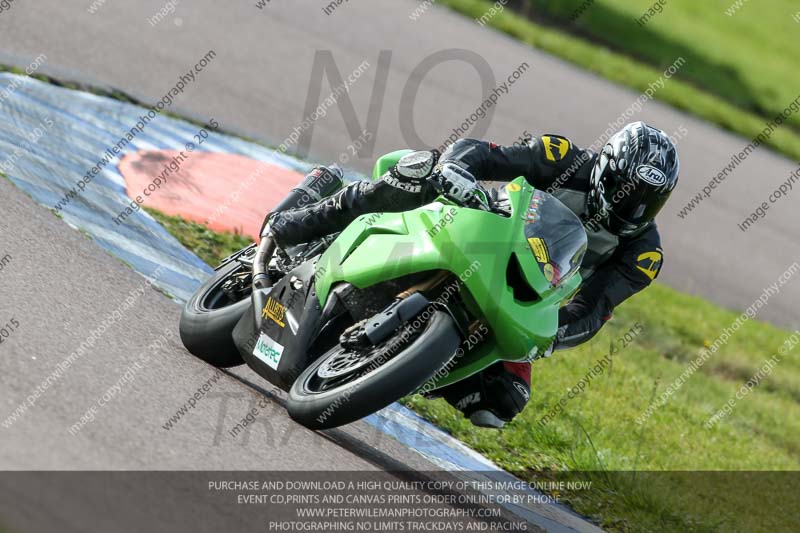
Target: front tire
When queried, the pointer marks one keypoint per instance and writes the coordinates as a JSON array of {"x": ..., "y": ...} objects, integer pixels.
[
  {"x": 208, "y": 319},
  {"x": 316, "y": 407}
]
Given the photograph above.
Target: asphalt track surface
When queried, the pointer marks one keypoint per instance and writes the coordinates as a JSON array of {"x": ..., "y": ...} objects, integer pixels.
[{"x": 60, "y": 285}]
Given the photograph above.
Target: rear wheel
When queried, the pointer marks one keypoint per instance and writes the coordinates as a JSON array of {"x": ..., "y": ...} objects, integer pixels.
[
  {"x": 210, "y": 315},
  {"x": 346, "y": 384}
]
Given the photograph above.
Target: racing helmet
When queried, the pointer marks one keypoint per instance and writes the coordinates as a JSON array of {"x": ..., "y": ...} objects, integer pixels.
[{"x": 632, "y": 178}]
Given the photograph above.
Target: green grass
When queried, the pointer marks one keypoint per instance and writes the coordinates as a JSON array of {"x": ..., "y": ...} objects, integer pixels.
[
  {"x": 739, "y": 71},
  {"x": 597, "y": 430},
  {"x": 748, "y": 59},
  {"x": 210, "y": 246}
]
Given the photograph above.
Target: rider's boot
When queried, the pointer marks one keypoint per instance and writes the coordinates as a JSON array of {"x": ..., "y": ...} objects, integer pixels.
[{"x": 493, "y": 397}]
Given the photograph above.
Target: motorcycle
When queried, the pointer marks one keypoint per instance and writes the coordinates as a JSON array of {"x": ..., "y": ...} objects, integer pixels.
[{"x": 396, "y": 303}]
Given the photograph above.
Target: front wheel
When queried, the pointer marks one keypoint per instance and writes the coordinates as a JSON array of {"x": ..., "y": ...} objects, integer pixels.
[{"x": 346, "y": 384}]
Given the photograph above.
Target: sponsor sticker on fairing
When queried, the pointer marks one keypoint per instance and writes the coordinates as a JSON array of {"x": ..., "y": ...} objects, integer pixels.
[{"x": 269, "y": 351}]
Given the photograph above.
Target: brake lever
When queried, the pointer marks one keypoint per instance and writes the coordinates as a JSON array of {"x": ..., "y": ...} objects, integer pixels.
[{"x": 485, "y": 202}]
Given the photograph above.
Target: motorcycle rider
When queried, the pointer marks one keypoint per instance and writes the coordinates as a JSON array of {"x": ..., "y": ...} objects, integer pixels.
[{"x": 616, "y": 193}]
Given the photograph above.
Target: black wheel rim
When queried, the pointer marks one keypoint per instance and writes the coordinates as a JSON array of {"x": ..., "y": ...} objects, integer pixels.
[
  {"x": 216, "y": 298},
  {"x": 343, "y": 366},
  {"x": 346, "y": 361}
]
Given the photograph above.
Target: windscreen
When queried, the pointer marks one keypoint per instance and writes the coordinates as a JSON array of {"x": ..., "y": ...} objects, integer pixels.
[{"x": 556, "y": 237}]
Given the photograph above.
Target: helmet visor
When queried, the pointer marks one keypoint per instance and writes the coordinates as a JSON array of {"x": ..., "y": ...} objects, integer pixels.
[{"x": 626, "y": 206}]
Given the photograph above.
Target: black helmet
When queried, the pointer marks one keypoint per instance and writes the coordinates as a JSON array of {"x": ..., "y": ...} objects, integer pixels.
[{"x": 632, "y": 178}]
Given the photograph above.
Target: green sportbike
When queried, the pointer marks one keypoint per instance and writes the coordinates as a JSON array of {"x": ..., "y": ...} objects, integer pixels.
[{"x": 396, "y": 303}]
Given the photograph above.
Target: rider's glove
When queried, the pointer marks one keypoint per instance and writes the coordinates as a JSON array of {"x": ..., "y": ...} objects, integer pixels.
[
  {"x": 553, "y": 345},
  {"x": 456, "y": 183},
  {"x": 546, "y": 353}
]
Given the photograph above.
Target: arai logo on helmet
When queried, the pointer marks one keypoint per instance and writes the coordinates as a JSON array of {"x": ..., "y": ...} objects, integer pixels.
[{"x": 651, "y": 175}]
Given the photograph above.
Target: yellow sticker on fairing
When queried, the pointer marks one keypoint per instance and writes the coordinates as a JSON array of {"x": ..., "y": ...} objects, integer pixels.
[
  {"x": 539, "y": 249},
  {"x": 275, "y": 311},
  {"x": 513, "y": 187}
]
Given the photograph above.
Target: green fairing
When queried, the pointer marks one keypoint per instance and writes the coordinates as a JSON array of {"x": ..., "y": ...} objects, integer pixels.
[{"x": 475, "y": 246}]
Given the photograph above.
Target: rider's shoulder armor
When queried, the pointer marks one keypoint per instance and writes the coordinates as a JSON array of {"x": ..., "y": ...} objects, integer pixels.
[{"x": 556, "y": 162}]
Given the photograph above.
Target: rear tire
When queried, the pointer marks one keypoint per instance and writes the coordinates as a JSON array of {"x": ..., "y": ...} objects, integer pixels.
[
  {"x": 400, "y": 375},
  {"x": 206, "y": 326}
]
